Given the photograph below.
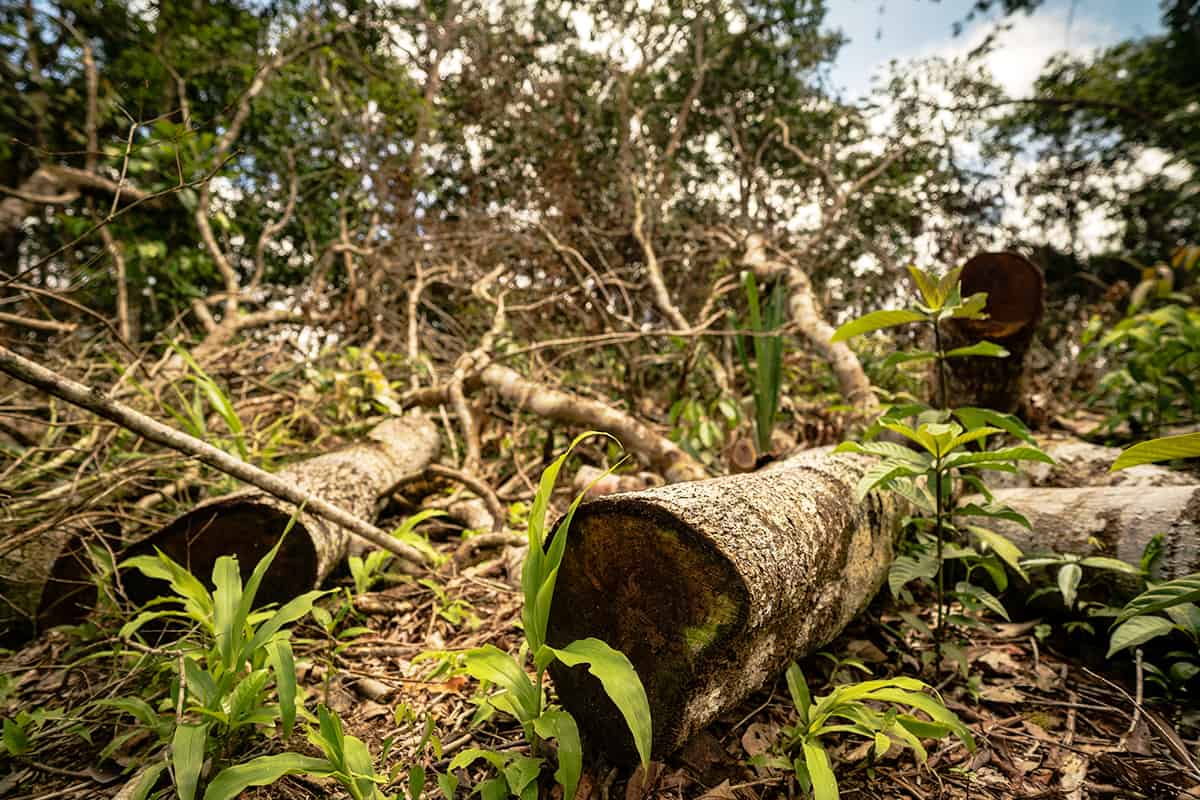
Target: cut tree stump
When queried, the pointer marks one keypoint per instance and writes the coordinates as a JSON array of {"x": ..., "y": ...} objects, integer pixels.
[
  {"x": 712, "y": 587},
  {"x": 1014, "y": 287},
  {"x": 248, "y": 523}
]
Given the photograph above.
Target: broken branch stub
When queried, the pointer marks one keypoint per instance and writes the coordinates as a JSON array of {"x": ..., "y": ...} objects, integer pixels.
[
  {"x": 712, "y": 587},
  {"x": 248, "y": 523}
]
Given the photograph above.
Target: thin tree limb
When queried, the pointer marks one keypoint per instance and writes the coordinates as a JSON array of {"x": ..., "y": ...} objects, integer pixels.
[{"x": 92, "y": 399}]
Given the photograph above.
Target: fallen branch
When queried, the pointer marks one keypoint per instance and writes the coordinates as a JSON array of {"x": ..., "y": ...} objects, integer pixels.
[{"x": 93, "y": 400}]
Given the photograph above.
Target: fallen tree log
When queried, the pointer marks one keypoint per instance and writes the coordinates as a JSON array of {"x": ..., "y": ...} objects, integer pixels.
[
  {"x": 1014, "y": 287},
  {"x": 1115, "y": 521},
  {"x": 248, "y": 523},
  {"x": 1080, "y": 464},
  {"x": 712, "y": 587}
]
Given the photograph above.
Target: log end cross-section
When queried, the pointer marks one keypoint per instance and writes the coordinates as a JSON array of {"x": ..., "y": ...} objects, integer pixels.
[
  {"x": 248, "y": 523},
  {"x": 711, "y": 587}
]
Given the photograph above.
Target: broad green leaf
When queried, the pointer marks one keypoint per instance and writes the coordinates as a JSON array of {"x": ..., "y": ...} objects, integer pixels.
[
  {"x": 970, "y": 436},
  {"x": 187, "y": 757},
  {"x": 985, "y": 459},
  {"x": 1112, "y": 564},
  {"x": 293, "y": 610},
  {"x": 489, "y": 663},
  {"x": 16, "y": 739},
  {"x": 927, "y": 286},
  {"x": 183, "y": 583},
  {"x": 993, "y": 512},
  {"x": 521, "y": 773},
  {"x": 560, "y": 726},
  {"x": 416, "y": 781},
  {"x": 143, "y": 781},
  {"x": 972, "y": 307},
  {"x": 227, "y": 597},
  {"x": 874, "y": 321},
  {"x": 621, "y": 684},
  {"x": 1163, "y": 596},
  {"x": 1001, "y": 546},
  {"x": 1185, "y": 445},
  {"x": 884, "y": 450},
  {"x": 880, "y": 474},
  {"x": 263, "y": 771},
  {"x": 360, "y": 766},
  {"x": 903, "y": 731},
  {"x": 247, "y": 696},
  {"x": 1068, "y": 582},
  {"x": 974, "y": 417},
  {"x": 798, "y": 689},
  {"x": 906, "y": 569},
  {"x": 824, "y": 784},
  {"x": 447, "y": 785},
  {"x": 1138, "y": 630},
  {"x": 984, "y": 349},
  {"x": 467, "y": 757},
  {"x": 985, "y": 597},
  {"x": 948, "y": 283},
  {"x": 279, "y": 655}
]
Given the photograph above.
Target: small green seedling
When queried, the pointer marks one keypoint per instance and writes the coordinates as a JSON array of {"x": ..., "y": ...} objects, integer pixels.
[{"x": 523, "y": 697}]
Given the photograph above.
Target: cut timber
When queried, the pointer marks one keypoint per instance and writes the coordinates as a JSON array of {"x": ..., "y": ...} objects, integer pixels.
[
  {"x": 711, "y": 587},
  {"x": 1079, "y": 463},
  {"x": 249, "y": 523},
  {"x": 1014, "y": 287},
  {"x": 1115, "y": 521}
]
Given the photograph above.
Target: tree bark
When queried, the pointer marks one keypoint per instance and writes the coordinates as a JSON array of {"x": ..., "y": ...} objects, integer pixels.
[
  {"x": 248, "y": 523},
  {"x": 1079, "y": 464},
  {"x": 1014, "y": 287},
  {"x": 660, "y": 452},
  {"x": 711, "y": 587},
  {"x": 1115, "y": 521}
]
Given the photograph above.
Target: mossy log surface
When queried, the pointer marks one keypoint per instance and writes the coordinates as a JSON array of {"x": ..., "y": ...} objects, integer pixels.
[
  {"x": 712, "y": 587},
  {"x": 248, "y": 523},
  {"x": 1014, "y": 286}
]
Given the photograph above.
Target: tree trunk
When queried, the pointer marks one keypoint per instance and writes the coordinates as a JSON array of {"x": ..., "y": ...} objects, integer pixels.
[
  {"x": 1014, "y": 287},
  {"x": 1115, "y": 521},
  {"x": 249, "y": 523},
  {"x": 711, "y": 587}
]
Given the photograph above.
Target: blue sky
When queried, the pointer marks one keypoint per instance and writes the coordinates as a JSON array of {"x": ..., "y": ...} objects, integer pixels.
[{"x": 880, "y": 30}]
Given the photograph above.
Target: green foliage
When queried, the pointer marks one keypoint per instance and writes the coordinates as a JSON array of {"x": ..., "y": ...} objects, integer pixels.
[
  {"x": 947, "y": 448},
  {"x": 700, "y": 428},
  {"x": 767, "y": 370},
  {"x": 366, "y": 571},
  {"x": 1070, "y": 571},
  {"x": 1163, "y": 609},
  {"x": 1157, "y": 358},
  {"x": 522, "y": 697},
  {"x": 226, "y": 676},
  {"x": 1165, "y": 448},
  {"x": 855, "y": 709}
]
